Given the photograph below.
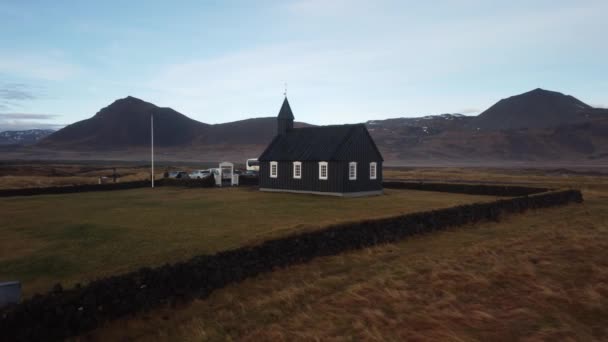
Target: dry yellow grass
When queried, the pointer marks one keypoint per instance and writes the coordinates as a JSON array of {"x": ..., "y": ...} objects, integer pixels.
[
  {"x": 14, "y": 176},
  {"x": 74, "y": 238},
  {"x": 538, "y": 276}
]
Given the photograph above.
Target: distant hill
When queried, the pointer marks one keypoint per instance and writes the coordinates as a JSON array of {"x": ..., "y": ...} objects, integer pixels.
[
  {"x": 535, "y": 109},
  {"x": 126, "y": 123},
  {"x": 538, "y": 125},
  {"x": 399, "y": 141},
  {"x": 24, "y": 137},
  {"x": 424, "y": 125},
  {"x": 257, "y": 131}
]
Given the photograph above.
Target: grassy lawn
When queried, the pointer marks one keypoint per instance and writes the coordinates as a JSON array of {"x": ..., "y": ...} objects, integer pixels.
[
  {"x": 538, "y": 276},
  {"x": 44, "y": 175},
  {"x": 78, "y": 237}
]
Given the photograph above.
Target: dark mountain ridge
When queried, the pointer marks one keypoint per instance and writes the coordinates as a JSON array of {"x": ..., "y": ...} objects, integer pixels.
[
  {"x": 248, "y": 131},
  {"x": 126, "y": 123},
  {"x": 538, "y": 108},
  {"x": 532, "y": 126}
]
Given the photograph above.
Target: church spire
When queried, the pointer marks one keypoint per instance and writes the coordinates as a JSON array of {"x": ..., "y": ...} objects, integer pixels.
[{"x": 285, "y": 118}]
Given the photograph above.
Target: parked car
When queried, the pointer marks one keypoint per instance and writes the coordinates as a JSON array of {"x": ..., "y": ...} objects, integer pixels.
[
  {"x": 251, "y": 173},
  {"x": 200, "y": 174},
  {"x": 179, "y": 174}
]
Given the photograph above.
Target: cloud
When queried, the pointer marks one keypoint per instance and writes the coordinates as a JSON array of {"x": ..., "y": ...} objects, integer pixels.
[
  {"x": 13, "y": 95},
  {"x": 27, "y": 116},
  {"x": 25, "y": 125},
  {"x": 23, "y": 121},
  {"x": 469, "y": 111},
  {"x": 16, "y": 91},
  {"x": 328, "y": 8},
  {"x": 49, "y": 66}
]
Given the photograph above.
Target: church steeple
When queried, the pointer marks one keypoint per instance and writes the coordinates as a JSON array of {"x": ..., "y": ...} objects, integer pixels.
[{"x": 285, "y": 118}]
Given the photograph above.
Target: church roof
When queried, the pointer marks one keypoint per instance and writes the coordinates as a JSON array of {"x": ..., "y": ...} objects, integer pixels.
[{"x": 312, "y": 143}]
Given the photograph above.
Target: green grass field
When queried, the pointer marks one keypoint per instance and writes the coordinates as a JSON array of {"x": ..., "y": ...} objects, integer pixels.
[{"x": 78, "y": 237}]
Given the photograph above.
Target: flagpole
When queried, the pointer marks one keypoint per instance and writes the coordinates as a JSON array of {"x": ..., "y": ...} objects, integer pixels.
[{"x": 152, "y": 145}]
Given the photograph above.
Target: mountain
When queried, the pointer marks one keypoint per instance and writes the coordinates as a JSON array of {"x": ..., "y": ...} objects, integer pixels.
[
  {"x": 126, "y": 123},
  {"x": 256, "y": 131},
  {"x": 428, "y": 124},
  {"x": 574, "y": 141},
  {"x": 535, "y": 109},
  {"x": 25, "y": 137},
  {"x": 536, "y": 126}
]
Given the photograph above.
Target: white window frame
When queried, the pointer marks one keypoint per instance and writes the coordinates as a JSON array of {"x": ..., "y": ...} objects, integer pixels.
[
  {"x": 297, "y": 166},
  {"x": 276, "y": 169},
  {"x": 373, "y": 170},
  {"x": 352, "y": 166},
  {"x": 321, "y": 164}
]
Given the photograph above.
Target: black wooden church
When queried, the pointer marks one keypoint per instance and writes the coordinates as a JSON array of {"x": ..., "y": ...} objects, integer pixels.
[{"x": 339, "y": 160}]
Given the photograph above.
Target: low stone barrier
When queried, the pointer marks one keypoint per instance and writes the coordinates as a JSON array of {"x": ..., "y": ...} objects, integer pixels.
[
  {"x": 249, "y": 180},
  {"x": 64, "y": 313},
  {"x": 73, "y": 189},
  {"x": 470, "y": 189},
  {"x": 207, "y": 182},
  {"x": 54, "y": 190}
]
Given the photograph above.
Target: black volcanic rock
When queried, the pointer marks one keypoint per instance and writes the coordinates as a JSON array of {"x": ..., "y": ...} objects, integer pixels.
[
  {"x": 535, "y": 109},
  {"x": 126, "y": 123}
]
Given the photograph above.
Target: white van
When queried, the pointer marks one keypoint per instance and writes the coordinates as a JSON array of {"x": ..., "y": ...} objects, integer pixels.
[{"x": 253, "y": 164}]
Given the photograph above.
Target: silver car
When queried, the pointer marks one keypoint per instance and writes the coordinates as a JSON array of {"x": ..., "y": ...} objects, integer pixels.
[{"x": 199, "y": 174}]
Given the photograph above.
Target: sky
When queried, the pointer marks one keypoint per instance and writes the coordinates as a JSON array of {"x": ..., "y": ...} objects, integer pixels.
[{"x": 343, "y": 61}]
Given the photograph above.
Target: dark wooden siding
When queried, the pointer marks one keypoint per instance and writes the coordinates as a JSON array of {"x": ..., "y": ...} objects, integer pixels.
[
  {"x": 337, "y": 177},
  {"x": 363, "y": 183},
  {"x": 359, "y": 148},
  {"x": 310, "y": 177}
]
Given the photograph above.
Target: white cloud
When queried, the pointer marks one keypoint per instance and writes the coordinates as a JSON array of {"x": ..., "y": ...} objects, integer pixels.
[
  {"x": 23, "y": 121},
  {"x": 469, "y": 111},
  {"x": 16, "y": 92},
  {"x": 25, "y": 125},
  {"x": 329, "y": 7},
  {"x": 49, "y": 66},
  {"x": 26, "y": 116}
]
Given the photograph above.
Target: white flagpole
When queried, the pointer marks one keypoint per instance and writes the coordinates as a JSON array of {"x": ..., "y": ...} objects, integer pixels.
[{"x": 152, "y": 145}]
